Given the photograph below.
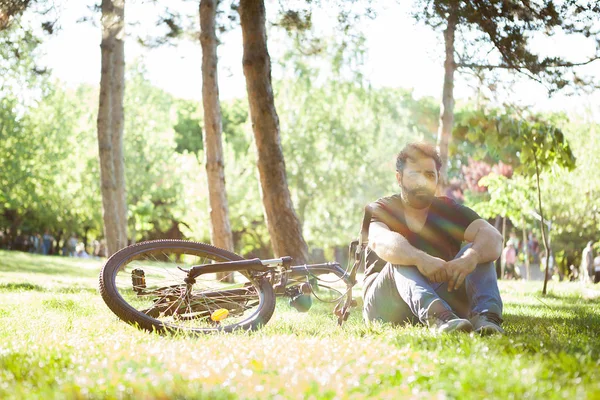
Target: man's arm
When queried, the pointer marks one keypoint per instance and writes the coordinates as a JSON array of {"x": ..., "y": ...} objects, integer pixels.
[
  {"x": 486, "y": 246},
  {"x": 487, "y": 241},
  {"x": 392, "y": 247}
]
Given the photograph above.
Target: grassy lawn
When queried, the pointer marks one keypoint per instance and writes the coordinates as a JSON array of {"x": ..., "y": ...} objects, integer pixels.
[{"x": 59, "y": 341}]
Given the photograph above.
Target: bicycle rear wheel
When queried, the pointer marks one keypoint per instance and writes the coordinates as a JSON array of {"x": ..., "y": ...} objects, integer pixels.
[{"x": 144, "y": 285}]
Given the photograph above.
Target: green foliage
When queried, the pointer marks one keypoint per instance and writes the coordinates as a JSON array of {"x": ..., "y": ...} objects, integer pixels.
[
  {"x": 188, "y": 129},
  {"x": 339, "y": 142},
  {"x": 572, "y": 196},
  {"x": 569, "y": 189},
  {"x": 19, "y": 152},
  {"x": 234, "y": 118},
  {"x": 46, "y": 170},
  {"x": 474, "y": 129},
  {"x": 18, "y": 70},
  {"x": 511, "y": 198},
  {"x": 164, "y": 192},
  {"x": 511, "y": 136}
]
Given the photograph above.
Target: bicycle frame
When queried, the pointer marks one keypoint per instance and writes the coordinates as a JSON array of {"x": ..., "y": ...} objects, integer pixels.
[{"x": 283, "y": 266}]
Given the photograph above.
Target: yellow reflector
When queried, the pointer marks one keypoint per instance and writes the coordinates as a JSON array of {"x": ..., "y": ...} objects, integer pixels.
[{"x": 219, "y": 314}]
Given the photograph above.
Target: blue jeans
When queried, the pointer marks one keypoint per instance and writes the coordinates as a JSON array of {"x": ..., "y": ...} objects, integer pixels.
[{"x": 401, "y": 294}]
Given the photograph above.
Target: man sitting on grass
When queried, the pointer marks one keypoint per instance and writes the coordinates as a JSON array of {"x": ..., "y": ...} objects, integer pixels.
[{"x": 416, "y": 268}]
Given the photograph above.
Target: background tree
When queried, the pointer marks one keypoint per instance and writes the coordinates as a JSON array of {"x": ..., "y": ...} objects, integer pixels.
[
  {"x": 572, "y": 195},
  {"x": 154, "y": 181},
  {"x": 541, "y": 145},
  {"x": 48, "y": 173},
  {"x": 511, "y": 198},
  {"x": 283, "y": 224},
  {"x": 221, "y": 235},
  {"x": 110, "y": 124}
]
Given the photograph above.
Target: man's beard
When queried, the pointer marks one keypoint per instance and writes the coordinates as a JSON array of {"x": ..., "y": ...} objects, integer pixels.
[{"x": 418, "y": 198}]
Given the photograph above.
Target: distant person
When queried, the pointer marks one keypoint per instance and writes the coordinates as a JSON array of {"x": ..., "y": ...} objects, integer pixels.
[
  {"x": 587, "y": 263},
  {"x": 509, "y": 259},
  {"x": 416, "y": 270},
  {"x": 47, "y": 241},
  {"x": 40, "y": 244},
  {"x": 95, "y": 247},
  {"x": 533, "y": 247},
  {"x": 35, "y": 243},
  {"x": 514, "y": 241},
  {"x": 573, "y": 273},
  {"x": 71, "y": 246},
  {"x": 80, "y": 251}
]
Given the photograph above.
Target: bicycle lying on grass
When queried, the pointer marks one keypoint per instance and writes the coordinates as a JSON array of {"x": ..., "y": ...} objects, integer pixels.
[{"x": 175, "y": 285}]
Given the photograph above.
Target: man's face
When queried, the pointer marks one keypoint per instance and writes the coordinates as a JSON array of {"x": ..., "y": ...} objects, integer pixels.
[{"x": 418, "y": 182}]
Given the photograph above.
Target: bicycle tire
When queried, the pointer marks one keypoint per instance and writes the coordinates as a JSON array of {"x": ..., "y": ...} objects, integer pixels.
[{"x": 119, "y": 300}]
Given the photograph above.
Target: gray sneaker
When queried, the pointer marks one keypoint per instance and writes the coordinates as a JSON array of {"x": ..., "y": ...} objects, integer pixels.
[
  {"x": 487, "y": 323},
  {"x": 447, "y": 321}
]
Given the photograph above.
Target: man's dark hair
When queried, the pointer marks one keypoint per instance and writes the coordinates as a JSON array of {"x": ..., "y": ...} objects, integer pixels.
[{"x": 416, "y": 150}]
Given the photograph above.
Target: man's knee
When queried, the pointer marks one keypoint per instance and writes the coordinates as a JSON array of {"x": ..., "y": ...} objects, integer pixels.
[{"x": 382, "y": 302}]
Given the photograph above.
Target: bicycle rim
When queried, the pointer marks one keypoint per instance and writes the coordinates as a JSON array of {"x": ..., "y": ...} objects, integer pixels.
[{"x": 144, "y": 285}]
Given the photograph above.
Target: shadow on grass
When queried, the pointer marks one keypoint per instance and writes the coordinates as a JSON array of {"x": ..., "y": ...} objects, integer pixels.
[
  {"x": 573, "y": 296},
  {"x": 11, "y": 286},
  {"x": 76, "y": 290},
  {"x": 571, "y": 327},
  {"x": 18, "y": 262},
  {"x": 23, "y": 286}
]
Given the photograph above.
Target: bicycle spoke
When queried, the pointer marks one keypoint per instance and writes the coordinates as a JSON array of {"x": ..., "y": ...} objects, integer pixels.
[{"x": 161, "y": 292}]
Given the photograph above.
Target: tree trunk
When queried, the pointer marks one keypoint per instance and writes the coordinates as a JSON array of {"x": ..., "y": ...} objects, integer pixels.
[
  {"x": 110, "y": 126},
  {"x": 220, "y": 233},
  {"x": 117, "y": 121},
  {"x": 542, "y": 222},
  {"x": 283, "y": 224},
  {"x": 447, "y": 106}
]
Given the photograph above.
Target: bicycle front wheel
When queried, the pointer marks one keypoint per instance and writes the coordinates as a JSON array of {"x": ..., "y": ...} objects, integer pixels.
[{"x": 144, "y": 285}]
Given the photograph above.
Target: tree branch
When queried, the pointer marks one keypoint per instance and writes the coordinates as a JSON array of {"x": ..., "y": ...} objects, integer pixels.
[{"x": 518, "y": 67}]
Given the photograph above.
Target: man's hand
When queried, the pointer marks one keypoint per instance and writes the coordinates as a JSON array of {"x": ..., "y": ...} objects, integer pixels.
[
  {"x": 459, "y": 268},
  {"x": 434, "y": 269}
]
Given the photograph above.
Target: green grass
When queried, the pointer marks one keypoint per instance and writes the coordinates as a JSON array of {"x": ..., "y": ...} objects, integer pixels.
[{"x": 59, "y": 341}]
